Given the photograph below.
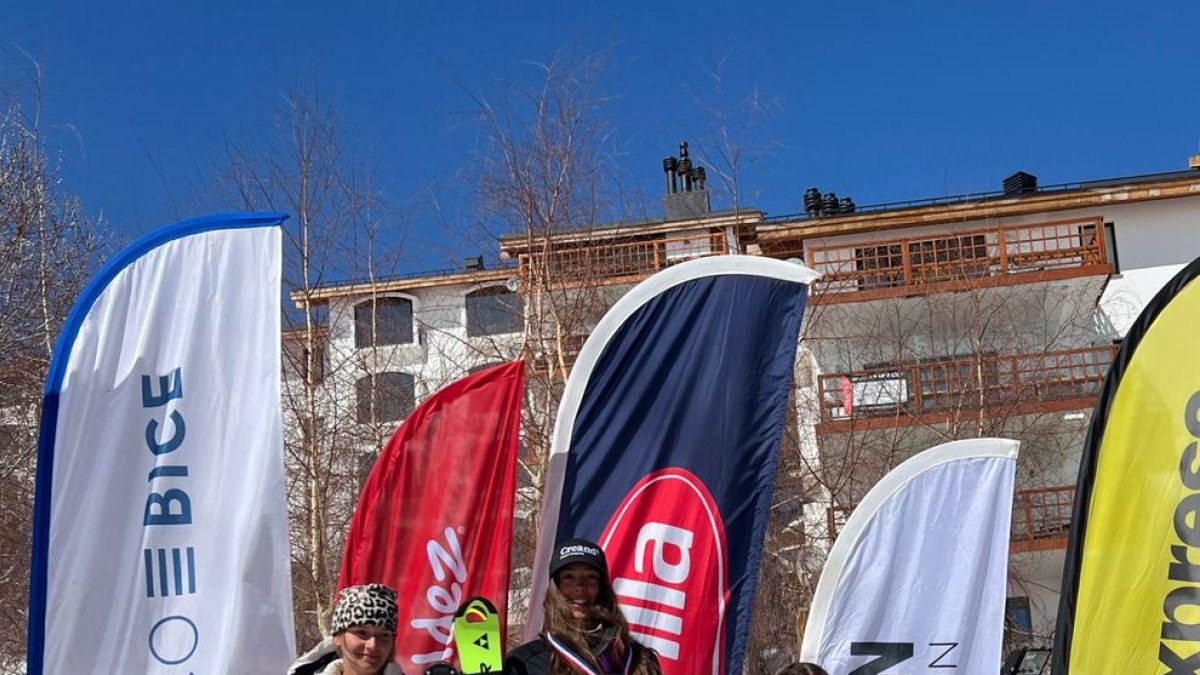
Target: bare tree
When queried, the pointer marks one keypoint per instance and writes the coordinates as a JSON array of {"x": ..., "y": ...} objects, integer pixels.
[
  {"x": 48, "y": 248},
  {"x": 732, "y": 139},
  {"x": 546, "y": 179},
  {"x": 898, "y": 358},
  {"x": 335, "y": 235}
]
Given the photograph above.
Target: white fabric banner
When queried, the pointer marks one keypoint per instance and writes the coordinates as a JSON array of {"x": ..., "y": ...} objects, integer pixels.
[
  {"x": 916, "y": 580},
  {"x": 160, "y": 540}
]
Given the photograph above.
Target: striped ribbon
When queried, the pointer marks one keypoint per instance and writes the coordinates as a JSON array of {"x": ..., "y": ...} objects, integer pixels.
[{"x": 579, "y": 663}]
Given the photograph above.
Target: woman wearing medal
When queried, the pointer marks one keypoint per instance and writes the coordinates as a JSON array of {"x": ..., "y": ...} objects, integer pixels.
[{"x": 585, "y": 631}]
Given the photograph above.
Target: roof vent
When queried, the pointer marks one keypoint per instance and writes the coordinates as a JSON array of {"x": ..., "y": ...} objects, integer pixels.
[
  {"x": 1020, "y": 183},
  {"x": 1194, "y": 162},
  {"x": 686, "y": 196},
  {"x": 474, "y": 264},
  {"x": 817, "y": 205}
]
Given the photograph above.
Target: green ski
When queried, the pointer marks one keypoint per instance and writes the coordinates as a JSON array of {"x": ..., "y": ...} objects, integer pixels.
[{"x": 477, "y": 637}]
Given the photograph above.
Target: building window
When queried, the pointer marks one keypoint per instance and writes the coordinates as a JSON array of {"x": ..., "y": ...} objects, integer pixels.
[
  {"x": 483, "y": 366},
  {"x": 295, "y": 362},
  {"x": 1087, "y": 238},
  {"x": 883, "y": 266},
  {"x": 366, "y": 464},
  {"x": 1110, "y": 244},
  {"x": 950, "y": 258},
  {"x": 1018, "y": 619},
  {"x": 929, "y": 260},
  {"x": 10, "y": 435},
  {"x": 385, "y": 397},
  {"x": 389, "y": 320},
  {"x": 494, "y": 310}
]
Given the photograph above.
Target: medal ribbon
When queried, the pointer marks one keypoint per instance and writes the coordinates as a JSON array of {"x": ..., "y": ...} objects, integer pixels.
[{"x": 579, "y": 663}]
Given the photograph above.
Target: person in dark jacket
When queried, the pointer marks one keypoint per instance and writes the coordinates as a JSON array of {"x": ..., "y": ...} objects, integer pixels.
[{"x": 585, "y": 631}]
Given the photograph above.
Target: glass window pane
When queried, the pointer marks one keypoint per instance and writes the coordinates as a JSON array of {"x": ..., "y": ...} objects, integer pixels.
[
  {"x": 494, "y": 310},
  {"x": 388, "y": 397},
  {"x": 392, "y": 319}
]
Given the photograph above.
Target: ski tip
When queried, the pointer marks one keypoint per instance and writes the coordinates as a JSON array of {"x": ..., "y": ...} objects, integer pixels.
[{"x": 477, "y": 608}]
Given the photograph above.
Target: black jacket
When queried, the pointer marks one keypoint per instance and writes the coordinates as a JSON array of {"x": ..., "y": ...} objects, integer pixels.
[{"x": 533, "y": 658}]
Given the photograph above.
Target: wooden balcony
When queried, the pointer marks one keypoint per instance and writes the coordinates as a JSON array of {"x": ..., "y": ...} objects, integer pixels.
[
  {"x": 936, "y": 391},
  {"x": 605, "y": 263},
  {"x": 1041, "y": 519},
  {"x": 947, "y": 262}
]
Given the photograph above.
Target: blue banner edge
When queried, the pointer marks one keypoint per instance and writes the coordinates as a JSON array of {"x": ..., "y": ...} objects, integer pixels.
[{"x": 736, "y": 653}]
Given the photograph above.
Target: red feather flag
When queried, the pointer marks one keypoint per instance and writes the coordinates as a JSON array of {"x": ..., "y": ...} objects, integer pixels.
[{"x": 435, "y": 518}]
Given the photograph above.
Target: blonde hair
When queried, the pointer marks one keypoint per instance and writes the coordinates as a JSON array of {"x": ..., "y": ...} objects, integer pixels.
[{"x": 337, "y": 646}]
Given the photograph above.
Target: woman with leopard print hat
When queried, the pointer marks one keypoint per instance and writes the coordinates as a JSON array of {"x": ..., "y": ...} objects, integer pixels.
[{"x": 364, "y": 636}]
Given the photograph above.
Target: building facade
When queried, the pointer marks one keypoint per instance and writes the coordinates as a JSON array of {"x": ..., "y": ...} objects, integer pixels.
[
  {"x": 980, "y": 315},
  {"x": 996, "y": 315}
]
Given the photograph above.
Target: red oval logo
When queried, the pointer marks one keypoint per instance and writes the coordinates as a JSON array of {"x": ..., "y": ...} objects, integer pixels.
[{"x": 672, "y": 570}]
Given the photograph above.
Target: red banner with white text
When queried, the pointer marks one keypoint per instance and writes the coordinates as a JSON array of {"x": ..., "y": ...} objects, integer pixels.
[{"x": 435, "y": 517}]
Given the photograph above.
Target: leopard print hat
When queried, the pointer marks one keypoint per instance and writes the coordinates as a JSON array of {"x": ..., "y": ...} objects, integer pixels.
[{"x": 367, "y": 605}]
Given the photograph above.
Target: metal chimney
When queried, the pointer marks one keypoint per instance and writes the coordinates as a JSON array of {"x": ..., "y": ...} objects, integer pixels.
[
  {"x": 812, "y": 202},
  {"x": 670, "y": 165},
  {"x": 686, "y": 196},
  {"x": 1020, "y": 183}
]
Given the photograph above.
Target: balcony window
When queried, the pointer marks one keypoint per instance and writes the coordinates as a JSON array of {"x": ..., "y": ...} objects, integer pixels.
[
  {"x": 494, "y": 311},
  {"x": 949, "y": 258},
  {"x": 385, "y": 397},
  {"x": 883, "y": 266},
  {"x": 930, "y": 260},
  {"x": 383, "y": 321}
]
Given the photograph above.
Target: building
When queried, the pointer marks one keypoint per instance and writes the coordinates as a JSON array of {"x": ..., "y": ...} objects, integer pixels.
[
  {"x": 985, "y": 315},
  {"x": 979, "y": 315},
  {"x": 358, "y": 357}
]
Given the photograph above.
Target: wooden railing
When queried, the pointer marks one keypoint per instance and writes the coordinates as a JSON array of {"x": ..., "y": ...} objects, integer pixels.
[
  {"x": 865, "y": 270},
  {"x": 908, "y": 392},
  {"x": 1041, "y": 518},
  {"x": 604, "y": 262}
]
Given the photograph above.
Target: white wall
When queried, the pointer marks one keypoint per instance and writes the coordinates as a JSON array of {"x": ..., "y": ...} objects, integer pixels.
[
  {"x": 441, "y": 353},
  {"x": 1038, "y": 576}
]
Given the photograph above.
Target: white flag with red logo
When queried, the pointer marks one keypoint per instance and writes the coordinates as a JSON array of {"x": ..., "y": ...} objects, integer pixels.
[
  {"x": 917, "y": 578},
  {"x": 435, "y": 517}
]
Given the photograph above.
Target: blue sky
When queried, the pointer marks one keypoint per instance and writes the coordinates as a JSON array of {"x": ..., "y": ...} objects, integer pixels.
[{"x": 882, "y": 101}]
